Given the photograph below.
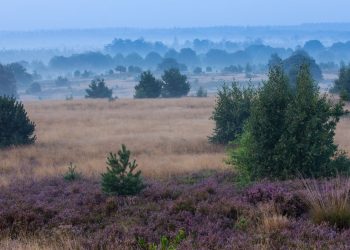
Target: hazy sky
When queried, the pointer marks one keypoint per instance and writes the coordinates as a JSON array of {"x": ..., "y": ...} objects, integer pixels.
[{"x": 48, "y": 14}]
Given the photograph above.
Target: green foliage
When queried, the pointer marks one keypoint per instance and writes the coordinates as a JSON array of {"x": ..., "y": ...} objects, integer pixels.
[
  {"x": 165, "y": 242},
  {"x": 289, "y": 132},
  {"x": 7, "y": 82},
  {"x": 342, "y": 84},
  {"x": 201, "y": 92},
  {"x": 175, "y": 84},
  {"x": 15, "y": 126},
  {"x": 148, "y": 87},
  {"x": 71, "y": 174},
  {"x": 232, "y": 108},
  {"x": 120, "y": 178},
  {"x": 98, "y": 89}
]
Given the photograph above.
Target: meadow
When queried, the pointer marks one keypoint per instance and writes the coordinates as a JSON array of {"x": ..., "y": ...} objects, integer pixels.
[{"x": 189, "y": 186}]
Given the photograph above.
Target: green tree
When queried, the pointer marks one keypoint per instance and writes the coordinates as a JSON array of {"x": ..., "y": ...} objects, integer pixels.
[
  {"x": 289, "y": 132},
  {"x": 232, "y": 109},
  {"x": 148, "y": 87},
  {"x": 98, "y": 89},
  {"x": 15, "y": 126},
  {"x": 120, "y": 178},
  {"x": 7, "y": 82},
  {"x": 175, "y": 84},
  {"x": 307, "y": 144}
]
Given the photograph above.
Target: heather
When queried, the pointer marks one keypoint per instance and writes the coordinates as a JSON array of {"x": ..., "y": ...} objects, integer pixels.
[{"x": 210, "y": 210}]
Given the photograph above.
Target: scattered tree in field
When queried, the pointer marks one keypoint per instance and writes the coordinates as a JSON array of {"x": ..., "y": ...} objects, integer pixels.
[
  {"x": 34, "y": 88},
  {"x": 289, "y": 132},
  {"x": 120, "y": 69},
  {"x": 198, "y": 70},
  {"x": 121, "y": 178},
  {"x": 61, "y": 81},
  {"x": 148, "y": 87},
  {"x": 209, "y": 69},
  {"x": 175, "y": 84},
  {"x": 98, "y": 89},
  {"x": 342, "y": 84},
  {"x": 232, "y": 109},
  {"x": 201, "y": 92},
  {"x": 15, "y": 126},
  {"x": 7, "y": 82}
]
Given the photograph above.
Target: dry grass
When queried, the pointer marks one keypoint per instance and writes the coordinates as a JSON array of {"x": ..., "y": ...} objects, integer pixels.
[
  {"x": 271, "y": 219},
  {"x": 329, "y": 202},
  {"x": 166, "y": 137}
]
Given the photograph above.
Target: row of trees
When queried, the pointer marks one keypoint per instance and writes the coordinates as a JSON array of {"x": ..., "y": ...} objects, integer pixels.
[
  {"x": 280, "y": 130},
  {"x": 172, "y": 84}
]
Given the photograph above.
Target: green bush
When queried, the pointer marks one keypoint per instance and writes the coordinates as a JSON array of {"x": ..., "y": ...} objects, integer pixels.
[
  {"x": 148, "y": 87},
  {"x": 120, "y": 178},
  {"x": 165, "y": 242},
  {"x": 71, "y": 174},
  {"x": 289, "y": 132},
  {"x": 232, "y": 109},
  {"x": 98, "y": 89},
  {"x": 15, "y": 126}
]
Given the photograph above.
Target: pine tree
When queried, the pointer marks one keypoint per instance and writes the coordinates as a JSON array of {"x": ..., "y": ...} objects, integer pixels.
[
  {"x": 15, "y": 126},
  {"x": 120, "y": 178},
  {"x": 98, "y": 89},
  {"x": 175, "y": 84},
  {"x": 148, "y": 87}
]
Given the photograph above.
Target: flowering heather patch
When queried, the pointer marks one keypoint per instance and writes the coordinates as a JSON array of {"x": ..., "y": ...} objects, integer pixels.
[{"x": 206, "y": 206}]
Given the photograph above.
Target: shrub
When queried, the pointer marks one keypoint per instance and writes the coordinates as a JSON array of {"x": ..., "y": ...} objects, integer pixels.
[
  {"x": 201, "y": 92},
  {"x": 289, "y": 133},
  {"x": 148, "y": 87},
  {"x": 329, "y": 202},
  {"x": 71, "y": 174},
  {"x": 15, "y": 126},
  {"x": 165, "y": 242},
  {"x": 175, "y": 84},
  {"x": 98, "y": 89},
  {"x": 232, "y": 109},
  {"x": 120, "y": 178}
]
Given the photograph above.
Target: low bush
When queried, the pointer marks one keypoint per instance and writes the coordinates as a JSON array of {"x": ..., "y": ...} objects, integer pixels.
[
  {"x": 201, "y": 92},
  {"x": 71, "y": 174},
  {"x": 120, "y": 178}
]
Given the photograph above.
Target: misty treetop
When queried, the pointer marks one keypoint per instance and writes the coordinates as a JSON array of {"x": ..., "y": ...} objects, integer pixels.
[{"x": 7, "y": 82}]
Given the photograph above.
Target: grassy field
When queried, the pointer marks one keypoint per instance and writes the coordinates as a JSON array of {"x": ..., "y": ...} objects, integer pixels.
[{"x": 166, "y": 137}]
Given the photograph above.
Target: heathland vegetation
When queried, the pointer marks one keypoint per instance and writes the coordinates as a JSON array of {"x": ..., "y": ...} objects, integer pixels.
[{"x": 57, "y": 193}]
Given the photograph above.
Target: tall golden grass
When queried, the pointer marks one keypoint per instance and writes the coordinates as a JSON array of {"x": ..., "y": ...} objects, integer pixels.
[{"x": 166, "y": 136}]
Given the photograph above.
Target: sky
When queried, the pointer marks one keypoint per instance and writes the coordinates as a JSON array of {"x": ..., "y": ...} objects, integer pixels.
[{"x": 69, "y": 14}]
